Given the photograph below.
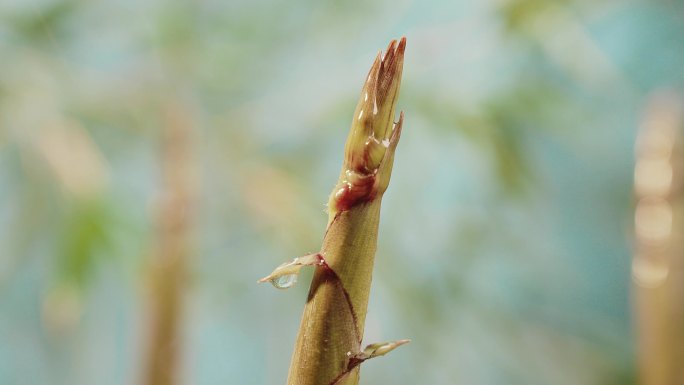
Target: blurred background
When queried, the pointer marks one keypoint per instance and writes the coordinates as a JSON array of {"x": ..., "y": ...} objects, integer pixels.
[{"x": 157, "y": 158}]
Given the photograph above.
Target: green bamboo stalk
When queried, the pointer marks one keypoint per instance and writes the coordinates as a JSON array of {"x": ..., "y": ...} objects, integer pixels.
[{"x": 328, "y": 348}]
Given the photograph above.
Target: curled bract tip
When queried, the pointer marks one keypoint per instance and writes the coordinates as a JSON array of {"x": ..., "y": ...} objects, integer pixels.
[
  {"x": 285, "y": 275},
  {"x": 382, "y": 348},
  {"x": 374, "y": 350}
]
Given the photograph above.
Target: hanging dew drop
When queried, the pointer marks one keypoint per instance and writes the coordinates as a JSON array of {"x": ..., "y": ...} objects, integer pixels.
[{"x": 285, "y": 281}]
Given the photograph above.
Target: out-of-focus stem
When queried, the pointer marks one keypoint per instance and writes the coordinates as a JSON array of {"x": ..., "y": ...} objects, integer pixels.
[
  {"x": 168, "y": 268},
  {"x": 658, "y": 264}
]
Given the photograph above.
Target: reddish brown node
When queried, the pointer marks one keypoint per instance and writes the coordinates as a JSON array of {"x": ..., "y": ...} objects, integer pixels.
[{"x": 351, "y": 194}]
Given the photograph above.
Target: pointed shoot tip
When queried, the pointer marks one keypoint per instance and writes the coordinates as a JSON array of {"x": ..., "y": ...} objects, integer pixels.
[{"x": 402, "y": 45}]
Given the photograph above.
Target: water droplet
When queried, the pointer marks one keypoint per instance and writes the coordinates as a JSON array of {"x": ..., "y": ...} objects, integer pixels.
[
  {"x": 285, "y": 281},
  {"x": 341, "y": 192},
  {"x": 360, "y": 115},
  {"x": 375, "y": 107}
]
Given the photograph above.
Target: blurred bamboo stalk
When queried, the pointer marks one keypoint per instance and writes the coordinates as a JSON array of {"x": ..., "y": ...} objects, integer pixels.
[
  {"x": 658, "y": 264},
  {"x": 169, "y": 263}
]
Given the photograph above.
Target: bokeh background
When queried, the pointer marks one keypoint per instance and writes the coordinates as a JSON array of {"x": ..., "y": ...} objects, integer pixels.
[{"x": 211, "y": 132}]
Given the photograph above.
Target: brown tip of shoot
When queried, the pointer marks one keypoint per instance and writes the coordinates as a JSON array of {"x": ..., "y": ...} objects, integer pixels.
[
  {"x": 389, "y": 52},
  {"x": 402, "y": 46},
  {"x": 375, "y": 68},
  {"x": 391, "y": 68}
]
